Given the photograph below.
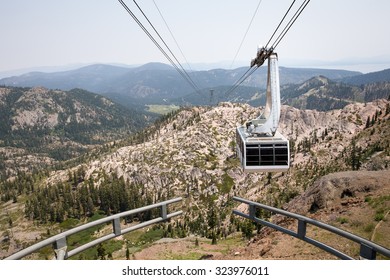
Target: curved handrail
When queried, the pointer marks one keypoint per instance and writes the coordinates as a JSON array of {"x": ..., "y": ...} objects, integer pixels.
[
  {"x": 368, "y": 249},
  {"x": 59, "y": 241}
]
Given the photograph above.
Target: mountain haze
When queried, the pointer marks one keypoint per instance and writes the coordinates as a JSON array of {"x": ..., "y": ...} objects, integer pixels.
[{"x": 157, "y": 82}]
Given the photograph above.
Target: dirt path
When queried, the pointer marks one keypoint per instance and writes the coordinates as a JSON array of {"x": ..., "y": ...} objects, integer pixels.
[
  {"x": 187, "y": 249},
  {"x": 377, "y": 226}
]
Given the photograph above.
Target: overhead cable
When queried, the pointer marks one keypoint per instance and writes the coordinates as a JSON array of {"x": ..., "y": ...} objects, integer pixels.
[
  {"x": 290, "y": 23},
  {"x": 246, "y": 32},
  {"x": 189, "y": 79},
  {"x": 173, "y": 37},
  {"x": 180, "y": 70},
  {"x": 245, "y": 76},
  {"x": 280, "y": 23},
  {"x": 281, "y": 35},
  {"x": 169, "y": 49}
]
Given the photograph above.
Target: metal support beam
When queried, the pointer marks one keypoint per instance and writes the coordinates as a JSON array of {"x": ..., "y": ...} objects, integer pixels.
[
  {"x": 60, "y": 248},
  {"x": 164, "y": 211},
  {"x": 116, "y": 226},
  {"x": 252, "y": 211},
  {"x": 367, "y": 252},
  {"x": 301, "y": 229}
]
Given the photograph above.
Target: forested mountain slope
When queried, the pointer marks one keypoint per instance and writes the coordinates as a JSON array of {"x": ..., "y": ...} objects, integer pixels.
[{"x": 44, "y": 126}]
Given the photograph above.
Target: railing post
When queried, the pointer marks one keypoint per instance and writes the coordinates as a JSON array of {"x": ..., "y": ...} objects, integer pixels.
[
  {"x": 301, "y": 229},
  {"x": 164, "y": 211},
  {"x": 252, "y": 211},
  {"x": 116, "y": 226},
  {"x": 367, "y": 252},
  {"x": 60, "y": 248}
]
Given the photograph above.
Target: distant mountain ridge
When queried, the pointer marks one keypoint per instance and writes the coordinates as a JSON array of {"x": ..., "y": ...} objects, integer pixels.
[
  {"x": 323, "y": 94},
  {"x": 318, "y": 93},
  {"x": 373, "y": 77},
  {"x": 157, "y": 82}
]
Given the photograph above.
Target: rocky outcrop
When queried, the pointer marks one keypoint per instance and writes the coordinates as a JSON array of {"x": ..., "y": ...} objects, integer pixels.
[{"x": 333, "y": 190}]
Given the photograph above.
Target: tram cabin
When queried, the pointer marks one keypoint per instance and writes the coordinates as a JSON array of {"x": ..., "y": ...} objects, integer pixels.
[{"x": 262, "y": 153}]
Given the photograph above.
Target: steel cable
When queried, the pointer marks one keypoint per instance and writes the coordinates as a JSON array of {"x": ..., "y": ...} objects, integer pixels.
[
  {"x": 276, "y": 42},
  {"x": 184, "y": 74},
  {"x": 280, "y": 23},
  {"x": 169, "y": 49},
  {"x": 290, "y": 23},
  {"x": 246, "y": 32}
]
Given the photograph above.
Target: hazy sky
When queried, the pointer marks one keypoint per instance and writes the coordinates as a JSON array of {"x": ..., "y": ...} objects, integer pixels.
[{"x": 349, "y": 34}]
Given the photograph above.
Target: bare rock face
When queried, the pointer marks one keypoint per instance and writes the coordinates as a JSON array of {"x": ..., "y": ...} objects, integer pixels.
[
  {"x": 196, "y": 145},
  {"x": 347, "y": 121},
  {"x": 339, "y": 188},
  {"x": 38, "y": 110}
]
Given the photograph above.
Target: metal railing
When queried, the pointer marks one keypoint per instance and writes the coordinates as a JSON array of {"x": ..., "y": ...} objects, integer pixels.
[
  {"x": 59, "y": 241},
  {"x": 368, "y": 249}
]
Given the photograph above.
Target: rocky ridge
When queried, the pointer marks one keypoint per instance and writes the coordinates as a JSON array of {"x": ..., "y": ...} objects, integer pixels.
[
  {"x": 204, "y": 136},
  {"x": 193, "y": 153}
]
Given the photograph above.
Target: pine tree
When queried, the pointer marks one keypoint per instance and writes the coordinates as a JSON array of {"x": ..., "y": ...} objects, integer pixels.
[
  {"x": 212, "y": 218},
  {"x": 10, "y": 223},
  {"x": 101, "y": 252},
  {"x": 214, "y": 239},
  {"x": 368, "y": 122},
  {"x": 247, "y": 229},
  {"x": 127, "y": 253},
  {"x": 354, "y": 156},
  {"x": 269, "y": 178}
]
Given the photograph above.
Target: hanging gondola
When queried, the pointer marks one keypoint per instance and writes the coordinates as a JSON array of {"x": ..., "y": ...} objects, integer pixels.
[{"x": 260, "y": 147}]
